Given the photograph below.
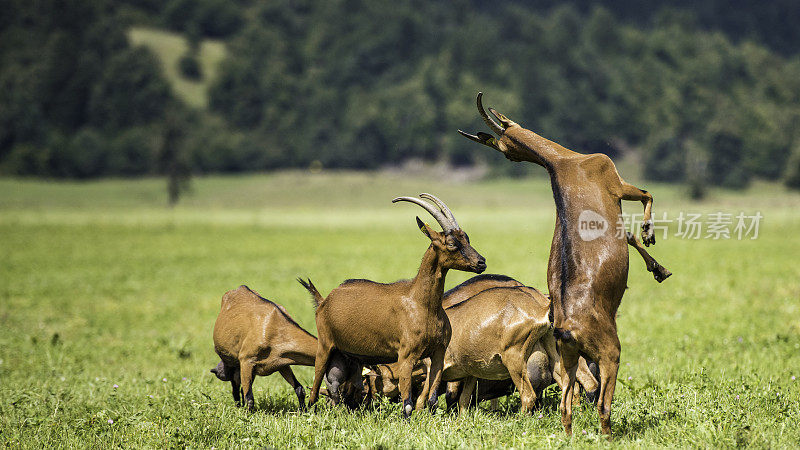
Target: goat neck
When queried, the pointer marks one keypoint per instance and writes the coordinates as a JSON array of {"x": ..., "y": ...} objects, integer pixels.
[{"x": 429, "y": 282}]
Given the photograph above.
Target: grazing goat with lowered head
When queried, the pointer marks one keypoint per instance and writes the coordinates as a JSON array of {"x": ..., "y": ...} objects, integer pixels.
[
  {"x": 382, "y": 380},
  {"x": 494, "y": 334},
  {"x": 587, "y": 273},
  {"x": 254, "y": 336},
  {"x": 376, "y": 323},
  {"x": 543, "y": 364}
]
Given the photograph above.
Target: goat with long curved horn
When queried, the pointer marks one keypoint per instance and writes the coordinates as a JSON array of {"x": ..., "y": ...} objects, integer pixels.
[{"x": 403, "y": 322}]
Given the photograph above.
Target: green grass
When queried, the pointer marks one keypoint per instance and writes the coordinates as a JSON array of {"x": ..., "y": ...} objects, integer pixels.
[
  {"x": 169, "y": 47},
  {"x": 102, "y": 285}
]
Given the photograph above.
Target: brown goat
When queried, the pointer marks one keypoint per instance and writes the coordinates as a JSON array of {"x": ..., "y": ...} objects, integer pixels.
[
  {"x": 494, "y": 333},
  {"x": 586, "y": 275},
  {"x": 382, "y": 381},
  {"x": 404, "y": 321},
  {"x": 476, "y": 321},
  {"x": 254, "y": 336},
  {"x": 543, "y": 364}
]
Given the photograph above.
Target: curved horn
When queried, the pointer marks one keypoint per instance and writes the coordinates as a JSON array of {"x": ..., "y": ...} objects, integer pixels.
[
  {"x": 505, "y": 121},
  {"x": 443, "y": 221},
  {"x": 443, "y": 207},
  {"x": 489, "y": 121},
  {"x": 471, "y": 137}
]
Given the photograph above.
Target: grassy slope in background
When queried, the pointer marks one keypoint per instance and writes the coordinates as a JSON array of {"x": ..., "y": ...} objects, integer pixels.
[{"x": 170, "y": 47}]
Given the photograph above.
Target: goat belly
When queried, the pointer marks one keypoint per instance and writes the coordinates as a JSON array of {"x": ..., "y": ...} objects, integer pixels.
[
  {"x": 488, "y": 367},
  {"x": 351, "y": 332},
  {"x": 363, "y": 339}
]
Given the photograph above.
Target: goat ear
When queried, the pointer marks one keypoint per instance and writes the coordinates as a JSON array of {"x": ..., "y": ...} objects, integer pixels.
[
  {"x": 487, "y": 139},
  {"x": 424, "y": 228}
]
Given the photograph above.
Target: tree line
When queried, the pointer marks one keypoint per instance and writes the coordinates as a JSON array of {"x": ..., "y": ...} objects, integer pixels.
[{"x": 361, "y": 84}]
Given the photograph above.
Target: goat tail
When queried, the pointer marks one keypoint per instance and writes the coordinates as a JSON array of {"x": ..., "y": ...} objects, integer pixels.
[{"x": 316, "y": 297}]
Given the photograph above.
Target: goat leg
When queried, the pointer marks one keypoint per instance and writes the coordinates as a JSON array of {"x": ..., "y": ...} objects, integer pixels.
[
  {"x": 406, "y": 363},
  {"x": 569, "y": 364},
  {"x": 246, "y": 377},
  {"x": 608, "y": 380},
  {"x": 517, "y": 364},
  {"x": 632, "y": 193},
  {"x": 320, "y": 366},
  {"x": 434, "y": 378},
  {"x": 288, "y": 375},
  {"x": 236, "y": 388},
  {"x": 588, "y": 379},
  {"x": 425, "y": 387},
  {"x": 660, "y": 273},
  {"x": 468, "y": 387},
  {"x": 452, "y": 394}
]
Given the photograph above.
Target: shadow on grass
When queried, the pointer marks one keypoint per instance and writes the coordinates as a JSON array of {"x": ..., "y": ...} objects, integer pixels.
[
  {"x": 634, "y": 425},
  {"x": 273, "y": 404}
]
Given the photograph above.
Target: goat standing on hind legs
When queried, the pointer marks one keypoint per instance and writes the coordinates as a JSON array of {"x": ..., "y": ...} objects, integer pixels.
[
  {"x": 586, "y": 275},
  {"x": 376, "y": 323}
]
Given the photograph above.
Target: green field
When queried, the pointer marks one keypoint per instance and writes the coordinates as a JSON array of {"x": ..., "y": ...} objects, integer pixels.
[{"x": 108, "y": 299}]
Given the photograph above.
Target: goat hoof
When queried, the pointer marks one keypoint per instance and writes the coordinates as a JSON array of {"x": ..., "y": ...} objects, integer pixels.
[
  {"x": 660, "y": 273},
  {"x": 408, "y": 408},
  {"x": 592, "y": 396}
]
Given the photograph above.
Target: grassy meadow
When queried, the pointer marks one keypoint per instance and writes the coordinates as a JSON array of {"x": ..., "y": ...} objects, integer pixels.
[{"x": 108, "y": 299}]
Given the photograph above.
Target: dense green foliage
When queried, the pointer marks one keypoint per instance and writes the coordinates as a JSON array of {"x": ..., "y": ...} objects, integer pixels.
[
  {"x": 700, "y": 95},
  {"x": 101, "y": 287},
  {"x": 388, "y": 83},
  {"x": 78, "y": 101},
  {"x": 773, "y": 24}
]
